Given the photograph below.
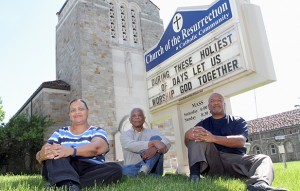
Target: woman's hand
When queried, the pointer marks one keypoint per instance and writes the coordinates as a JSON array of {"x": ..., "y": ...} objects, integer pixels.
[
  {"x": 54, "y": 151},
  {"x": 45, "y": 153},
  {"x": 60, "y": 151}
]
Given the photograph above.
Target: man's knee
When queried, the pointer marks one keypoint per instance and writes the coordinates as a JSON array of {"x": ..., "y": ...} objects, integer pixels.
[
  {"x": 194, "y": 144},
  {"x": 264, "y": 157},
  {"x": 155, "y": 138}
]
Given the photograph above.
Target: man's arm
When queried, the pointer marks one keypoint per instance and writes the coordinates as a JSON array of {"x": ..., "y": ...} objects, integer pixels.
[
  {"x": 162, "y": 145},
  {"x": 188, "y": 136},
  {"x": 158, "y": 145},
  {"x": 232, "y": 141},
  {"x": 132, "y": 145},
  {"x": 199, "y": 134}
]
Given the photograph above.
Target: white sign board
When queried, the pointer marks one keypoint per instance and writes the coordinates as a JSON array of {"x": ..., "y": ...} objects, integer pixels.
[
  {"x": 281, "y": 149},
  {"x": 279, "y": 137},
  {"x": 220, "y": 48},
  {"x": 216, "y": 60},
  {"x": 194, "y": 111},
  {"x": 206, "y": 48}
]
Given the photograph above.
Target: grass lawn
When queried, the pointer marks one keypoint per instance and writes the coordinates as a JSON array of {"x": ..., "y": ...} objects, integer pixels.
[{"x": 284, "y": 177}]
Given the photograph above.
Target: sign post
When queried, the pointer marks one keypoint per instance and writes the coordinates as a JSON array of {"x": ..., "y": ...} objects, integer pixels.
[
  {"x": 281, "y": 148},
  {"x": 220, "y": 48}
]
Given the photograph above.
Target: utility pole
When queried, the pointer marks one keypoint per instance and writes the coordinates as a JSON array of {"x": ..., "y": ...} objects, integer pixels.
[{"x": 256, "y": 111}]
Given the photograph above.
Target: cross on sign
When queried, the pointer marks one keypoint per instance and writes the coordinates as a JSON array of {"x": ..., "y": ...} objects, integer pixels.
[{"x": 177, "y": 22}]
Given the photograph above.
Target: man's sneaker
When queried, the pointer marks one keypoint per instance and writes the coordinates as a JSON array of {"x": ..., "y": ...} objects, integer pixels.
[
  {"x": 262, "y": 186},
  {"x": 74, "y": 187},
  {"x": 69, "y": 186},
  {"x": 144, "y": 169},
  {"x": 194, "y": 178},
  {"x": 48, "y": 186}
]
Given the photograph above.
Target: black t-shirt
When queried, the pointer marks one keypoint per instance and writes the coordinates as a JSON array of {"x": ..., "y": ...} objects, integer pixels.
[{"x": 228, "y": 125}]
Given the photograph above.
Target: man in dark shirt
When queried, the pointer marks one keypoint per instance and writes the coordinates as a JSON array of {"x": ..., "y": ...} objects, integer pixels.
[{"x": 216, "y": 147}]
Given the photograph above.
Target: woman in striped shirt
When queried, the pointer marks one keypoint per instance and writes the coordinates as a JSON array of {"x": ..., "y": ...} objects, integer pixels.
[{"x": 74, "y": 156}]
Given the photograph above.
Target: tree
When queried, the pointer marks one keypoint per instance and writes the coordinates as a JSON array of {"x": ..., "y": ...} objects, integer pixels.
[
  {"x": 2, "y": 113},
  {"x": 20, "y": 139}
]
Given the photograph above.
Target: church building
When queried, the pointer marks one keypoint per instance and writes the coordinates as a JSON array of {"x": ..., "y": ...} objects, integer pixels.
[{"x": 100, "y": 47}]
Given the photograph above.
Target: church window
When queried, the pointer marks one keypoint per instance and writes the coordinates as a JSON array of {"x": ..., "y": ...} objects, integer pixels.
[
  {"x": 134, "y": 26},
  {"x": 257, "y": 150},
  {"x": 273, "y": 149},
  {"x": 112, "y": 20},
  {"x": 123, "y": 23}
]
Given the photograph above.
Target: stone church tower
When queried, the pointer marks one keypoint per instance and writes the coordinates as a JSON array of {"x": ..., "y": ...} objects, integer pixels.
[{"x": 99, "y": 53}]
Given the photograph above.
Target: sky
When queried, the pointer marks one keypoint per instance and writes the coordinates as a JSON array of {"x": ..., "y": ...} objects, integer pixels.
[{"x": 27, "y": 53}]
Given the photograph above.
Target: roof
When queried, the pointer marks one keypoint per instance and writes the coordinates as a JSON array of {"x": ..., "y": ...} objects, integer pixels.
[
  {"x": 280, "y": 120},
  {"x": 56, "y": 84}
]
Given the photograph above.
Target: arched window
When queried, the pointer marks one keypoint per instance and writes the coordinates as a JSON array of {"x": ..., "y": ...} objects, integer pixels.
[
  {"x": 256, "y": 150},
  {"x": 123, "y": 22},
  {"x": 134, "y": 26},
  {"x": 112, "y": 20},
  {"x": 289, "y": 147}
]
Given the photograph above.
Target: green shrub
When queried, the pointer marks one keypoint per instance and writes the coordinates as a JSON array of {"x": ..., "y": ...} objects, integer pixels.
[{"x": 20, "y": 139}]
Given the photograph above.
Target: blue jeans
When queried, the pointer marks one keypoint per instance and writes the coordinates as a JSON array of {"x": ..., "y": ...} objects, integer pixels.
[{"x": 155, "y": 164}]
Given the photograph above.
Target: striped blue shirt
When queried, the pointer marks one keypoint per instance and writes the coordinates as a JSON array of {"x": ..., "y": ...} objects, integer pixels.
[{"x": 65, "y": 137}]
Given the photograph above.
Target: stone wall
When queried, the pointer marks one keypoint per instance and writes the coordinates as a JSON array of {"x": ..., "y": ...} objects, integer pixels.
[
  {"x": 109, "y": 74},
  {"x": 268, "y": 143},
  {"x": 52, "y": 103}
]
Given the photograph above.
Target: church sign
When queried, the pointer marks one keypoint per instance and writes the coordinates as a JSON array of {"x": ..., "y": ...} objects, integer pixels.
[
  {"x": 197, "y": 70},
  {"x": 201, "y": 49},
  {"x": 220, "y": 48},
  {"x": 186, "y": 28}
]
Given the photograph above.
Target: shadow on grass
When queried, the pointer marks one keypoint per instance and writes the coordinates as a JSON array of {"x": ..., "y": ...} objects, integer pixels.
[{"x": 169, "y": 182}]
